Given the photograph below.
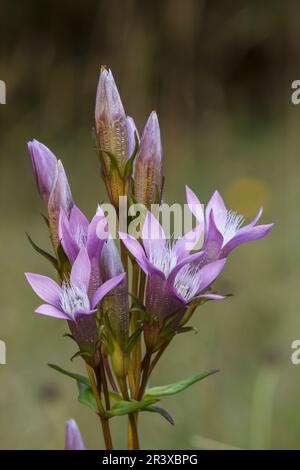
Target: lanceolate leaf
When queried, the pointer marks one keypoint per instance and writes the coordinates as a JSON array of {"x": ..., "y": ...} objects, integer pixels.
[
  {"x": 172, "y": 389},
  {"x": 78, "y": 377}
]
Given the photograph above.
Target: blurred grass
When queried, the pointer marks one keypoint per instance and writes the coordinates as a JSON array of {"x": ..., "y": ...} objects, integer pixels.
[{"x": 219, "y": 80}]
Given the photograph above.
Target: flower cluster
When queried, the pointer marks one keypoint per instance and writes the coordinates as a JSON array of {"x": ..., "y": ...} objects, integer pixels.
[{"x": 124, "y": 302}]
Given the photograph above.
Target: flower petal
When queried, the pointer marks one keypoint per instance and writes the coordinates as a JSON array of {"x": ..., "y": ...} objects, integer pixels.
[
  {"x": 209, "y": 273},
  {"x": 195, "y": 205},
  {"x": 73, "y": 439},
  {"x": 153, "y": 235},
  {"x": 256, "y": 219},
  {"x": 45, "y": 288},
  {"x": 66, "y": 238},
  {"x": 106, "y": 287},
  {"x": 188, "y": 242},
  {"x": 213, "y": 239},
  {"x": 245, "y": 235},
  {"x": 212, "y": 296},
  {"x": 78, "y": 220},
  {"x": 97, "y": 233},
  {"x": 81, "y": 269},
  {"x": 216, "y": 204},
  {"x": 51, "y": 311}
]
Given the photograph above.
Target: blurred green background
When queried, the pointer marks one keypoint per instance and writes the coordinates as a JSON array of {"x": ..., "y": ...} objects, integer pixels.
[{"x": 219, "y": 75}]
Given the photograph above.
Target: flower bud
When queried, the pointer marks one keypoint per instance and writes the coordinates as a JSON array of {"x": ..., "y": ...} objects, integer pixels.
[
  {"x": 60, "y": 198},
  {"x": 44, "y": 167},
  {"x": 74, "y": 439},
  {"x": 148, "y": 175},
  {"x": 115, "y": 304},
  {"x": 112, "y": 135}
]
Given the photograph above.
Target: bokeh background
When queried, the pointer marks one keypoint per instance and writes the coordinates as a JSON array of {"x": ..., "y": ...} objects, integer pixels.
[{"x": 219, "y": 75}]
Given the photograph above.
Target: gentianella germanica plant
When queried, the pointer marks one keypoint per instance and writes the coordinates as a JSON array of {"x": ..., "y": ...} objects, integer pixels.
[{"x": 124, "y": 301}]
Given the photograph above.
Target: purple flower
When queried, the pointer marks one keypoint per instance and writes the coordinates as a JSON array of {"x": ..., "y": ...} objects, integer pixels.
[
  {"x": 162, "y": 261},
  {"x": 224, "y": 228},
  {"x": 52, "y": 184},
  {"x": 148, "y": 173},
  {"x": 72, "y": 301},
  {"x": 76, "y": 232},
  {"x": 73, "y": 440}
]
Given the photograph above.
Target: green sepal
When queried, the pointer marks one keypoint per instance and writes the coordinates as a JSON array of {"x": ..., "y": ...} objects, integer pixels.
[
  {"x": 113, "y": 162},
  {"x": 133, "y": 339},
  {"x": 63, "y": 262},
  {"x": 172, "y": 389},
  {"x": 46, "y": 220},
  {"x": 42, "y": 252},
  {"x": 129, "y": 164}
]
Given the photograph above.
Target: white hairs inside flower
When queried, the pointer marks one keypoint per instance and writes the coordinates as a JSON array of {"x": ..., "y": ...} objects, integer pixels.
[
  {"x": 233, "y": 223},
  {"x": 74, "y": 298},
  {"x": 187, "y": 282},
  {"x": 164, "y": 257}
]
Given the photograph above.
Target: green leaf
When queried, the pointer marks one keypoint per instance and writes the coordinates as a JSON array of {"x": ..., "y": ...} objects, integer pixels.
[
  {"x": 86, "y": 396},
  {"x": 172, "y": 389},
  {"x": 42, "y": 252},
  {"x": 164, "y": 413},
  {"x": 123, "y": 407},
  {"x": 78, "y": 377}
]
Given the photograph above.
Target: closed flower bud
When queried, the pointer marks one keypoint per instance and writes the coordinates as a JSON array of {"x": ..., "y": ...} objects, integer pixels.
[
  {"x": 112, "y": 135},
  {"x": 148, "y": 175},
  {"x": 115, "y": 305},
  {"x": 60, "y": 198},
  {"x": 44, "y": 167},
  {"x": 74, "y": 439}
]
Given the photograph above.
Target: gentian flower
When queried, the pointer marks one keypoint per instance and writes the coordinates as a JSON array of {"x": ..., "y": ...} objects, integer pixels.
[
  {"x": 224, "y": 228},
  {"x": 173, "y": 278},
  {"x": 72, "y": 301},
  {"x": 52, "y": 184},
  {"x": 148, "y": 172},
  {"x": 76, "y": 232},
  {"x": 73, "y": 440},
  {"x": 161, "y": 260}
]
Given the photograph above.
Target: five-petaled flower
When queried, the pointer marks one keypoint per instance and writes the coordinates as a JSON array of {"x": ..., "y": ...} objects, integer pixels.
[{"x": 72, "y": 301}]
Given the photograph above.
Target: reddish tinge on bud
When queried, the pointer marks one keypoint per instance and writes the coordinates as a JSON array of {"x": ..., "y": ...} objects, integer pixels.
[
  {"x": 60, "y": 198},
  {"x": 112, "y": 135},
  {"x": 44, "y": 167},
  {"x": 148, "y": 174}
]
